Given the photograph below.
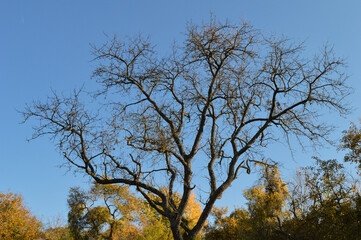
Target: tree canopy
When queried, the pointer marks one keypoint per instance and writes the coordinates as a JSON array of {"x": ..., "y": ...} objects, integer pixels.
[
  {"x": 206, "y": 108},
  {"x": 351, "y": 141},
  {"x": 321, "y": 202},
  {"x": 16, "y": 222},
  {"x": 114, "y": 212}
]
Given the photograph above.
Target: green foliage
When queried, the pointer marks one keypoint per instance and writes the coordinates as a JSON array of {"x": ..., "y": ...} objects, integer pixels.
[
  {"x": 326, "y": 208},
  {"x": 351, "y": 141},
  {"x": 77, "y": 205},
  {"x": 321, "y": 203},
  {"x": 266, "y": 202}
]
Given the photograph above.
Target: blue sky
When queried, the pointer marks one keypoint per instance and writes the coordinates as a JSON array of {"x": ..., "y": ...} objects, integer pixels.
[{"x": 45, "y": 44}]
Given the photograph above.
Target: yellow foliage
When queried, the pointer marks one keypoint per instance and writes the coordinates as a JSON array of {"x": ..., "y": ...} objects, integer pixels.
[
  {"x": 158, "y": 227},
  {"x": 193, "y": 211},
  {"x": 16, "y": 221}
]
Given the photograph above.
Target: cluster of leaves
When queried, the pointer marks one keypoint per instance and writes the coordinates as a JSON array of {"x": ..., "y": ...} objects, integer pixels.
[
  {"x": 16, "y": 222},
  {"x": 261, "y": 220},
  {"x": 114, "y": 212},
  {"x": 57, "y": 233},
  {"x": 326, "y": 204},
  {"x": 351, "y": 141},
  {"x": 321, "y": 203}
]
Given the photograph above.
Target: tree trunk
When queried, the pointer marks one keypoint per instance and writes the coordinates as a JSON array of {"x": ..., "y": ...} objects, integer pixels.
[{"x": 177, "y": 235}]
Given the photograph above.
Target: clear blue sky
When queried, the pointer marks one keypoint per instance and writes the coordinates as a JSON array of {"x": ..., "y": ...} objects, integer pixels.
[{"x": 45, "y": 44}]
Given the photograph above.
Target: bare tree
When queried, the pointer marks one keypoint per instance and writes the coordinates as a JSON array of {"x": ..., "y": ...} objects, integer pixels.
[{"x": 206, "y": 109}]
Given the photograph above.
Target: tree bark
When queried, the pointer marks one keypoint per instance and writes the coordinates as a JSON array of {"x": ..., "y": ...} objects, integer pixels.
[{"x": 177, "y": 235}]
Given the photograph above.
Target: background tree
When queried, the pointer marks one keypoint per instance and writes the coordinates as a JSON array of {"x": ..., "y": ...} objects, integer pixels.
[
  {"x": 351, "y": 141},
  {"x": 325, "y": 203},
  {"x": 207, "y": 108},
  {"x": 266, "y": 203},
  {"x": 56, "y": 229},
  {"x": 77, "y": 205},
  {"x": 58, "y": 233},
  {"x": 233, "y": 227},
  {"x": 123, "y": 209},
  {"x": 322, "y": 203},
  {"x": 157, "y": 226},
  {"x": 16, "y": 222},
  {"x": 113, "y": 212},
  {"x": 115, "y": 218},
  {"x": 265, "y": 214}
]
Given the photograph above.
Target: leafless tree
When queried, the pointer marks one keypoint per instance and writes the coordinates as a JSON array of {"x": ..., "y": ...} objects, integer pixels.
[{"x": 207, "y": 109}]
